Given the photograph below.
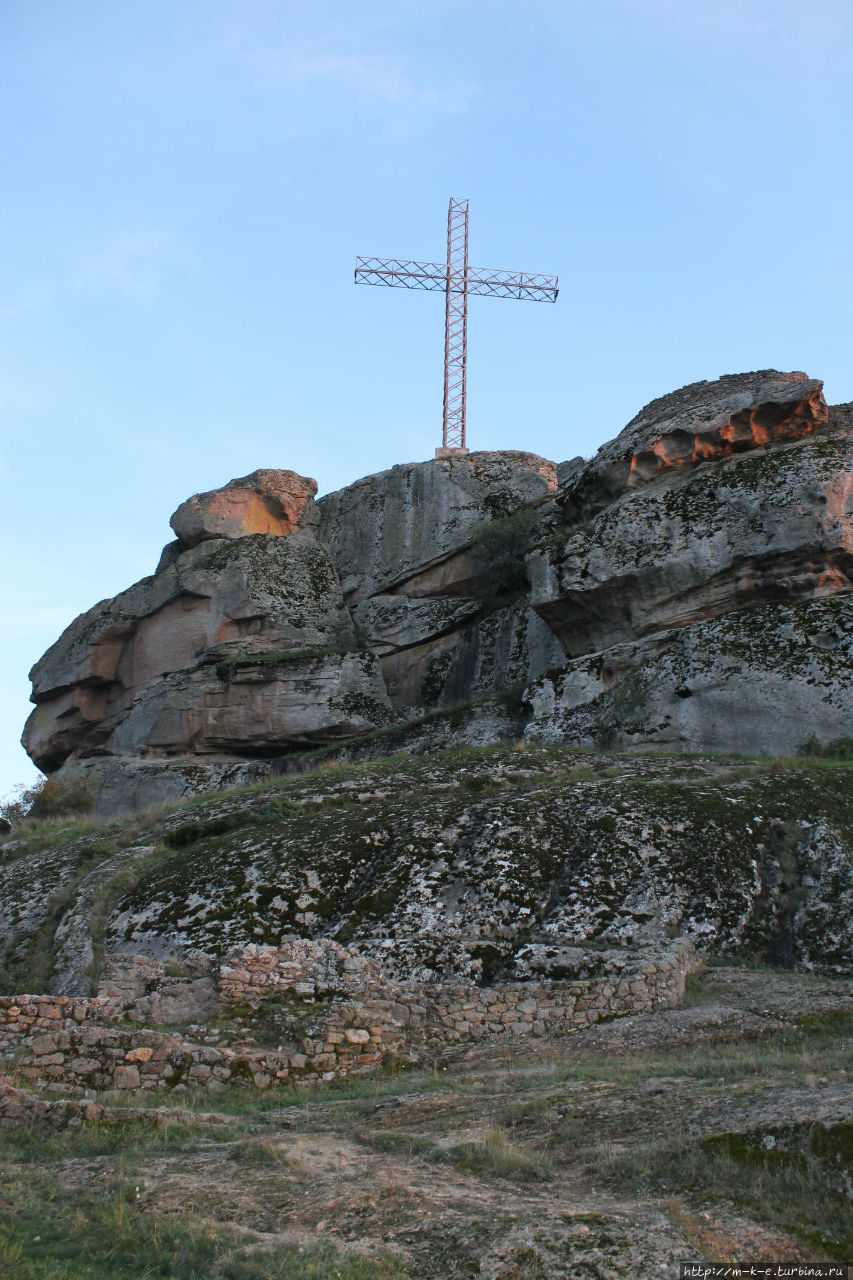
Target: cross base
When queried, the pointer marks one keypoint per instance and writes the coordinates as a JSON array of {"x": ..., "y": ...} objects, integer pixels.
[{"x": 451, "y": 453}]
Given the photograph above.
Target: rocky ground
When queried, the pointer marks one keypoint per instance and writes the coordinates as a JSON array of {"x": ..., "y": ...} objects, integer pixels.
[
  {"x": 719, "y": 1131},
  {"x": 494, "y": 864}
]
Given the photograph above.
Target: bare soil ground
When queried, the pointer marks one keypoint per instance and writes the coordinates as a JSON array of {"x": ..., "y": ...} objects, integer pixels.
[{"x": 721, "y": 1131}]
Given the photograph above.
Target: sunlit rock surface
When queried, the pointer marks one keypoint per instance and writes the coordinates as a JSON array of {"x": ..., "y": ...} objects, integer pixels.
[
  {"x": 703, "y": 422},
  {"x": 264, "y": 502}
]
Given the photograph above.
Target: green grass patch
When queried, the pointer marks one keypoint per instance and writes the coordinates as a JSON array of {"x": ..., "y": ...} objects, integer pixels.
[
  {"x": 277, "y": 658},
  {"x": 54, "y": 1232},
  {"x": 132, "y": 1138}
]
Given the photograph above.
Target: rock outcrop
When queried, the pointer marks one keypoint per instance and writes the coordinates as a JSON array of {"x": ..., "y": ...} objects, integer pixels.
[
  {"x": 409, "y": 530},
  {"x": 704, "y": 594},
  {"x": 690, "y": 586},
  {"x": 703, "y": 422},
  {"x": 238, "y": 647},
  {"x": 489, "y": 866}
]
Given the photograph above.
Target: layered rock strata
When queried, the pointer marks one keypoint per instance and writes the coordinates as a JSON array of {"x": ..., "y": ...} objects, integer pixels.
[
  {"x": 700, "y": 577},
  {"x": 275, "y": 623},
  {"x": 690, "y": 585}
]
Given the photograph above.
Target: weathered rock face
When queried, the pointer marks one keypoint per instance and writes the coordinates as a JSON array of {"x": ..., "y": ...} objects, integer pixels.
[
  {"x": 242, "y": 646},
  {"x": 264, "y": 502},
  {"x": 759, "y": 680},
  {"x": 774, "y": 525},
  {"x": 490, "y": 865},
  {"x": 404, "y": 543},
  {"x": 409, "y": 530},
  {"x": 706, "y": 421},
  {"x": 713, "y": 599},
  {"x": 238, "y": 647},
  {"x": 690, "y": 586}
]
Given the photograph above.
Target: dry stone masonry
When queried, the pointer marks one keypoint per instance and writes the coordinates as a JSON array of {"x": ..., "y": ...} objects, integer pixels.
[{"x": 62, "y": 1043}]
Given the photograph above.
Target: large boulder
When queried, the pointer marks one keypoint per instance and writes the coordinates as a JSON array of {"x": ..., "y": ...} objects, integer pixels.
[
  {"x": 240, "y": 646},
  {"x": 410, "y": 529},
  {"x": 770, "y": 525},
  {"x": 266, "y": 501},
  {"x": 704, "y": 598}
]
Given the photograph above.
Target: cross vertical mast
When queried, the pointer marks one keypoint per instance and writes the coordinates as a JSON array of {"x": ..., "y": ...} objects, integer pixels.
[{"x": 456, "y": 326}]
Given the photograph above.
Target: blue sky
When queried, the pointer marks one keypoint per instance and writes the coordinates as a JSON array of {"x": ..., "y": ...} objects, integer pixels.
[{"x": 186, "y": 187}]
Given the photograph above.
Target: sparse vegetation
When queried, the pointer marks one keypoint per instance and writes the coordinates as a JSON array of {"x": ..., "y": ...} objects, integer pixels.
[
  {"x": 48, "y": 798},
  {"x": 837, "y": 749},
  {"x": 497, "y": 1156},
  {"x": 499, "y": 547},
  {"x": 228, "y": 667},
  {"x": 557, "y": 1159},
  {"x": 110, "y": 1232}
]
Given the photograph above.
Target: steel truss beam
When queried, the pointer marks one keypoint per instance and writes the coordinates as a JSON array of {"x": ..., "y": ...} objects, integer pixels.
[{"x": 433, "y": 275}]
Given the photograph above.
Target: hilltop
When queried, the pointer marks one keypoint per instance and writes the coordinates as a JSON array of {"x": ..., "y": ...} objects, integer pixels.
[{"x": 687, "y": 589}]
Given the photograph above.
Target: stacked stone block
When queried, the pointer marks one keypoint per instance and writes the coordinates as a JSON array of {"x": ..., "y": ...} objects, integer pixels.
[{"x": 90, "y": 1045}]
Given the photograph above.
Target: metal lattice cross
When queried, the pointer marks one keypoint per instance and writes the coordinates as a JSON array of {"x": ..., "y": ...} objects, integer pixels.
[{"x": 458, "y": 280}]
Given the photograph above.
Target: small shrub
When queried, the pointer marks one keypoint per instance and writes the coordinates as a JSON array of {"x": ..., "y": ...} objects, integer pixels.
[
  {"x": 48, "y": 798},
  {"x": 477, "y": 785},
  {"x": 499, "y": 547},
  {"x": 55, "y": 799},
  {"x": 837, "y": 749},
  {"x": 281, "y": 807}
]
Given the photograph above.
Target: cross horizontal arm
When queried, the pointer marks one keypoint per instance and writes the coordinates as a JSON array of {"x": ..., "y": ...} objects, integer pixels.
[
  {"x": 433, "y": 275},
  {"x": 406, "y": 275},
  {"x": 513, "y": 284}
]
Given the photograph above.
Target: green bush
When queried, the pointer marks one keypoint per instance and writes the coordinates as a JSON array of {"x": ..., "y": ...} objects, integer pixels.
[
  {"x": 281, "y": 807},
  {"x": 48, "y": 798},
  {"x": 499, "y": 547},
  {"x": 838, "y": 749}
]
